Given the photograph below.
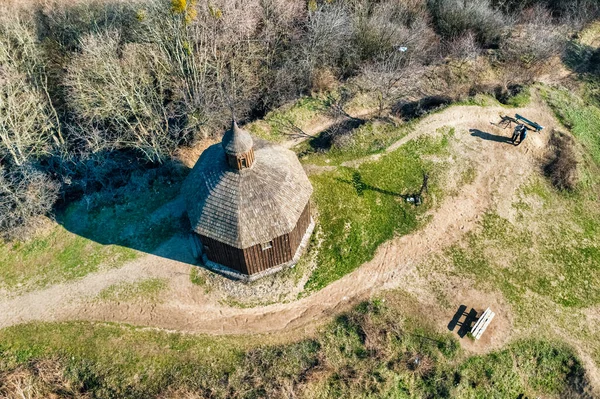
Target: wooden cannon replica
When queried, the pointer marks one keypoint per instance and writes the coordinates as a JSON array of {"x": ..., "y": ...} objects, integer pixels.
[{"x": 507, "y": 121}]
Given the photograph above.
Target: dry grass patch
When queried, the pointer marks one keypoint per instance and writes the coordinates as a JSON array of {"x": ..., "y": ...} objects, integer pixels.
[{"x": 562, "y": 163}]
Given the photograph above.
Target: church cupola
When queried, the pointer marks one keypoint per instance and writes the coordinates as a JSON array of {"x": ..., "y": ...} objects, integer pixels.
[{"x": 239, "y": 147}]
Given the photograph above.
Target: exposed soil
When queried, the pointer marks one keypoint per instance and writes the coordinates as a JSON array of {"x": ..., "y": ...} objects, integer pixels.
[
  {"x": 500, "y": 170},
  {"x": 187, "y": 307}
]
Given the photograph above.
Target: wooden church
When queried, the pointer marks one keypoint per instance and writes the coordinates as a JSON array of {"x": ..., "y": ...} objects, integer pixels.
[{"x": 248, "y": 202}]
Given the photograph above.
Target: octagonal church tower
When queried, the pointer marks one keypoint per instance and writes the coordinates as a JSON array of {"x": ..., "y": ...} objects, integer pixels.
[{"x": 248, "y": 202}]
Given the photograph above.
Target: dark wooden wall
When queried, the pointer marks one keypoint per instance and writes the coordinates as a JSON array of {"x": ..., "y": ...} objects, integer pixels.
[
  {"x": 298, "y": 233},
  {"x": 224, "y": 254},
  {"x": 254, "y": 259}
]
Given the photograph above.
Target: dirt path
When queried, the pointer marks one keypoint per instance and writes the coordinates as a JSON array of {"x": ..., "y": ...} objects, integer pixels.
[{"x": 187, "y": 307}]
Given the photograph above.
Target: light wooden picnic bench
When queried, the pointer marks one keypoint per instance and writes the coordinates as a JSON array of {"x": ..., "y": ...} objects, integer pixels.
[{"x": 482, "y": 323}]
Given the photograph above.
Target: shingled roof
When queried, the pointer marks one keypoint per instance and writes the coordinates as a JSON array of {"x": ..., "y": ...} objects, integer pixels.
[
  {"x": 246, "y": 207},
  {"x": 237, "y": 141}
]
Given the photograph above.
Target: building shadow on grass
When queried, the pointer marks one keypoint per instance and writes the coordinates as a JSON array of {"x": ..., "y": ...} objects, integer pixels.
[
  {"x": 490, "y": 137},
  {"x": 162, "y": 231}
]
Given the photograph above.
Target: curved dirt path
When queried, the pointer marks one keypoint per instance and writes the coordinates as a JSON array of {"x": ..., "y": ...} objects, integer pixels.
[{"x": 501, "y": 169}]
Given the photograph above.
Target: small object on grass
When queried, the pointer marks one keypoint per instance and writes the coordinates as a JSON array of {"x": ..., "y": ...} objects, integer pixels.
[{"x": 417, "y": 199}]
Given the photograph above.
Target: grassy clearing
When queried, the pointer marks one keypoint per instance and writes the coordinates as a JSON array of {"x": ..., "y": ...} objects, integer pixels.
[
  {"x": 372, "y": 137},
  {"x": 375, "y": 350},
  {"x": 148, "y": 290},
  {"x": 361, "y": 208},
  {"x": 277, "y": 125},
  {"x": 375, "y": 135},
  {"x": 129, "y": 218},
  {"x": 97, "y": 232},
  {"x": 551, "y": 250},
  {"x": 551, "y": 247},
  {"x": 56, "y": 257},
  {"x": 581, "y": 117}
]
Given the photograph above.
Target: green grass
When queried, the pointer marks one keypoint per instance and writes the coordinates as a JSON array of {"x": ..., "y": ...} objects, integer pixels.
[
  {"x": 371, "y": 138},
  {"x": 119, "y": 361},
  {"x": 277, "y": 124},
  {"x": 55, "y": 257},
  {"x": 197, "y": 277},
  {"x": 367, "y": 352},
  {"x": 147, "y": 290},
  {"x": 580, "y": 117},
  {"x": 552, "y": 251},
  {"x": 519, "y": 100},
  {"x": 528, "y": 367},
  {"x": 126, "y": 221},
  {"x": 551, "y": 247},
  {"x": 361, "y": 208},
  {"x": 88, "y": 238}
]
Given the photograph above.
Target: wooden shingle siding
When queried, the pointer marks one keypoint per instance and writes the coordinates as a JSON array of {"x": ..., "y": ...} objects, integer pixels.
[
  {"x": 255, "y": 259},
  {"x": 243, "y": 208}
]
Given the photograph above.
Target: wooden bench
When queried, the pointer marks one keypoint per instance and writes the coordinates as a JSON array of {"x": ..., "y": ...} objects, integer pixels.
[{"x": 482, "y": 323}]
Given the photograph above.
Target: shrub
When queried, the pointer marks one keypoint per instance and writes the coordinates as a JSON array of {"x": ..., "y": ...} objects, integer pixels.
[
  {"x": 562, "y": 163},
  {"x": 463, "y": 47},
  {"x": 38, "y": 379},
  {"x": 526, "y": 52},
  {"x": 25, "y": 194},
  {"x": 454, "y": 18},
  {"x": 574, "y": 12},
  {"x": 323, "y": 80}
]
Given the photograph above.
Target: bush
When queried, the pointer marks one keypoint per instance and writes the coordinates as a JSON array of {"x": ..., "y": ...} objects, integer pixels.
[
  {"x": 562, "y": 163},
  {"x": 454, "y": 18},
  {"x": 526, "y": 52},
  {"x": 25, "y": 194},
  {"x": 38, "y": 379},
  {"x": 575, "y": 12}
]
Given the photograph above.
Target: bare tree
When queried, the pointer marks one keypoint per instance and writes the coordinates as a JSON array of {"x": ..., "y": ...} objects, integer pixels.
[
  {"x": 525, "y": 54},
  {"x": 397, "y": 39},
  {"x": 28, "y": 124}
]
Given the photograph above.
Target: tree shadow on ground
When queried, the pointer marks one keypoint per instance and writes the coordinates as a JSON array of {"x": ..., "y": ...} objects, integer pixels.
[
  {"x": 415, "y": 109},
  {"x": 581, "y": 58},
  {"x": 327, "y": 138},
  {"x": 360, "y": 186},
  {"x": 490, "y": 137}
]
